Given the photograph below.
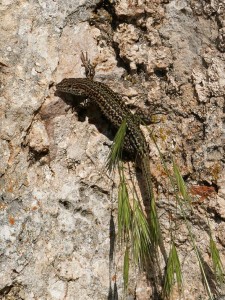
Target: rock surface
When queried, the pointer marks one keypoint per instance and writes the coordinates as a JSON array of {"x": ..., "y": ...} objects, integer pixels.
[{"x": 58, "y": 205}]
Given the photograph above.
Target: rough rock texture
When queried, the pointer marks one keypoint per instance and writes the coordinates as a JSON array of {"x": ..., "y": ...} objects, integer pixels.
[{"x": 57, "y": 203}]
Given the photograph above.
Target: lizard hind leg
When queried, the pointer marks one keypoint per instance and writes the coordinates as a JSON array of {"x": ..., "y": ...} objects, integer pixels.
[{"x": 148, "y": 117}]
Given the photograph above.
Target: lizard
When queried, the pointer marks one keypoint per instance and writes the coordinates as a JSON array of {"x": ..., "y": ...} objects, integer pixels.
[{"x": 116, "y": 111}]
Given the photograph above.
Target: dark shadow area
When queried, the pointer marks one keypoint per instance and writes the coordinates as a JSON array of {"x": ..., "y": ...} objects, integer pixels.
[
  {"x": 12, "y": 291},
  {"x": 210, "y": 278},
  {"x": 6, "y": 290},
  {"x": 80, "y": 106},
  {"x": 113, "y": 293}
]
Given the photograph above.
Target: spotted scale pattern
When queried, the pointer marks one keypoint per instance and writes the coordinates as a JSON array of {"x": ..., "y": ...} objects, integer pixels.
[{"x": 112, "y": 106}]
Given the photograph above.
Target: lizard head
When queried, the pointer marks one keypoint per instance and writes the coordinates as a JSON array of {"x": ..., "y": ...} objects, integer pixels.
[{"x": 72, "y": 86}]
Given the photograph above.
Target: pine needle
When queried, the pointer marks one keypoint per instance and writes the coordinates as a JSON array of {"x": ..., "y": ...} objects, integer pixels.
[
  {"x": 124, "y": 210},
  {"x": 180, "y": 183},
  {"x": 216, "y": 260},
  {"x": 173, "y": 273},
  {"x": 140, "y": 232},
  {"x": 115, "y": 153}
]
